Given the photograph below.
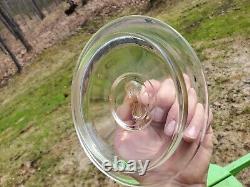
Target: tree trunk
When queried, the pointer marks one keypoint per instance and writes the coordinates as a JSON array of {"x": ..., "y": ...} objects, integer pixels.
[
  {"x": 2, "y": 49},
  {"x": 12, "y": 56},
  {"x": 14, "y": 28},
  {"x": 37, "y": 10},
  {"x": 7, "y": 25}
]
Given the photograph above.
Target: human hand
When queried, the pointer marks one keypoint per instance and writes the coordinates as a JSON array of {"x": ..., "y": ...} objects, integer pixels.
[{"x": 146, "y": 143}]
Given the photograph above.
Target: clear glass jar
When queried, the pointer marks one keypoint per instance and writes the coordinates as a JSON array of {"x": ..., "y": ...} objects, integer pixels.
[{"x": 120, "y": 65}]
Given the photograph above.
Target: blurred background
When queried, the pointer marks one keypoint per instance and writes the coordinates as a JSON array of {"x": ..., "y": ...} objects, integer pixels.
[{"x": 40, "y": 41}]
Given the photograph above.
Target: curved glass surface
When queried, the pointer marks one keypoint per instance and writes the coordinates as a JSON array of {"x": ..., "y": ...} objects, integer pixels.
[{"x": 131, "y": 84}]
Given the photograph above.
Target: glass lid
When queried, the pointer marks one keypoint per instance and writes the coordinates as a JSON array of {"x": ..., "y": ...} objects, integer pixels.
[{"x": 135, "y": 86}]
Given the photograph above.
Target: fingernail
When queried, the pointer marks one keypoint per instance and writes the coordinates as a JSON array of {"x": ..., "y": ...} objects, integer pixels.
[
  {"x": 157, "y": 114},
  {"x": 169, "y": 128},
  {"x": 191, "y": 132}
]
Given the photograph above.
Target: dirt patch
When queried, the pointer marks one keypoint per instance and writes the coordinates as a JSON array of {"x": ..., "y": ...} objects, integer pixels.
[
  {"x": 26, "y": 170},
  {"x": 228, "y": 68}
]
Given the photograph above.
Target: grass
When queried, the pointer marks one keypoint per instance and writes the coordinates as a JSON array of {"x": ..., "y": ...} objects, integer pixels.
[
  {"x": 210, "y": 20},
  {"x": 35, "y": 106}
]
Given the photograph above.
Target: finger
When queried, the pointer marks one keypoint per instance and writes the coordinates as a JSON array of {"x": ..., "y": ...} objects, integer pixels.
[
  {"x": 158, "y": 114},
  {"x": 166, "y": 98},
  {"x": 124, "y": 110},
  {"x": 166, "y": 94},
  {"x": 192, "y": 101},
  {"x": 173, "y": 113},
  {"x": 150, "y": 88},
  {"x": 191, "y": 133},
  {"x": 170, "y": 128}
]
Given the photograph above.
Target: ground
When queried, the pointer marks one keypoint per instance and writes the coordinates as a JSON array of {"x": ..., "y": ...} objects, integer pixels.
[{"x": 38, "y": 143}]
